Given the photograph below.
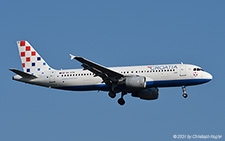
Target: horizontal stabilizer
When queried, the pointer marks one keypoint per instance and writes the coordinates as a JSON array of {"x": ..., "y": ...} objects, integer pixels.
[{"x": 23, "y": 74}]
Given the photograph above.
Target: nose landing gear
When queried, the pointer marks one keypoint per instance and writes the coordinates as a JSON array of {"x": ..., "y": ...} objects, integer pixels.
[
  {"x": 185, "y": 95},
  {"x": 184, "y": 92}
]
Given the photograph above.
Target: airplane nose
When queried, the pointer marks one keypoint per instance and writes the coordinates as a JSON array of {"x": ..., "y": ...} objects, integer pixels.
[{"x": 209, "y": 76}]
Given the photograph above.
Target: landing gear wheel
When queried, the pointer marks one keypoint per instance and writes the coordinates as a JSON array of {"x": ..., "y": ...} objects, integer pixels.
[
  {"x": 184, "y": 92},
  {"x": 121, "y": 101},
  {"x": 112, "y": 94},
  {"x": 185, "y": 95}
]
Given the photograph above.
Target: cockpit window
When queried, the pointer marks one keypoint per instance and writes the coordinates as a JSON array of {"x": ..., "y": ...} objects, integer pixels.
[{"x": 198, "y": 69}]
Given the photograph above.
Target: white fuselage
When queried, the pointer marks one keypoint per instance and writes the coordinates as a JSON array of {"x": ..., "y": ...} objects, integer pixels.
[
  {"x": 170, "y": 75},
  {"x": 140, "y": 81}
]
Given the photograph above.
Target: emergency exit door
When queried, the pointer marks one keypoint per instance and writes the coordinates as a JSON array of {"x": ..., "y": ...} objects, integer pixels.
[{"x": 182, "y": 70}]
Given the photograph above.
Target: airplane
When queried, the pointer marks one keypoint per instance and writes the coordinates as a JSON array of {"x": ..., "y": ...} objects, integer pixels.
[{"x": 140, "y": 81}]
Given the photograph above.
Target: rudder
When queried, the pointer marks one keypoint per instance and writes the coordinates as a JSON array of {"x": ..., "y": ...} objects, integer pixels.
[{"x": 32, "y": 62}]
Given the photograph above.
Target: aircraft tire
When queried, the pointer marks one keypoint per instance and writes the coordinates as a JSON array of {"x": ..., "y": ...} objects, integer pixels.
[
  {"x": 121, "y": 101},
  {"x": 112, "y": 94},
  {"x": 185, "y": 95}
]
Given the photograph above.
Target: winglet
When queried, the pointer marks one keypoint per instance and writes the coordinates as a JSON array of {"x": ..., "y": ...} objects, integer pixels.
[{"x": 72, "y": 56}]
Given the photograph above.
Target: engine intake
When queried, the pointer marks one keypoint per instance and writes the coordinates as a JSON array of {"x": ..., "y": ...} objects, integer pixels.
[{"x": 135, "y": 82}]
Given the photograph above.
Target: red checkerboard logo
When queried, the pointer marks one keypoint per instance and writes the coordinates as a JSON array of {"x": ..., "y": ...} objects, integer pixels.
[
  {"x": 28, "y": 59},
  {"x": 22, "y": 54},
  {"x": 27, "y": 48},
  {"x": 22, "y": 43},
  {"x": 33, "y": 53},
  {"x": 23, "y": 65}
]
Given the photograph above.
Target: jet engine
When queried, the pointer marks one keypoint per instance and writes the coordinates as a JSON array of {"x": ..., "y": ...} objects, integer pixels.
[
  {"x": 147, "y": 94},
  {"x": 135, "y": 82}
]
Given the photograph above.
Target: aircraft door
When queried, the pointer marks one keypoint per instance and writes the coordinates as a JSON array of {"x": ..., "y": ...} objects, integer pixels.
[
  {"x": 52, "y": 77},
  {"x": 182, "y": 70}
]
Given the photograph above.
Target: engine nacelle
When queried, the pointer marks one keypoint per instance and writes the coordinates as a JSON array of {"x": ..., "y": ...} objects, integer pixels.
[
  {"x": 147, "y": 94},
  {"x": 135, "y": 82}
]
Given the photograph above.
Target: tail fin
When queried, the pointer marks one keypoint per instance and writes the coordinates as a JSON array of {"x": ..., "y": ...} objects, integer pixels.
[{"x": 32, "y": 62}]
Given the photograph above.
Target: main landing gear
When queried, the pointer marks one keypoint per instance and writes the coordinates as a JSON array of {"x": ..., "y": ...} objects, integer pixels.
[
  {"x": 121, "y": 101},
  {"x": 112, "y": 94},
  {"x": 184, "y": 92}
]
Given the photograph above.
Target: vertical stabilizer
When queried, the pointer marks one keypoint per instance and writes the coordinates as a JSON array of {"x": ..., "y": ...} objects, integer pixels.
[{"x": 32, "y": 62}]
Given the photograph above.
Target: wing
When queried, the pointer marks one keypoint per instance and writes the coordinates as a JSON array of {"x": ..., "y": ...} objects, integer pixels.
[{"x": 108, "y": 76}]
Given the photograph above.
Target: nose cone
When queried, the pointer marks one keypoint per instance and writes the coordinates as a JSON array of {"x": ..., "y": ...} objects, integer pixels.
[{"x": 208, "y": 76}]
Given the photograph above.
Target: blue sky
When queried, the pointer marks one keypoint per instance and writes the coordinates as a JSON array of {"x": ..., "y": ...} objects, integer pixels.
[{"x": 112, "y": 33}]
